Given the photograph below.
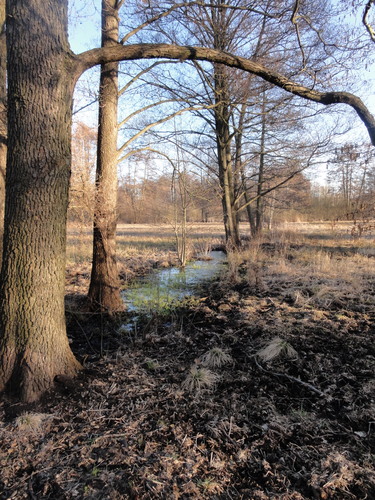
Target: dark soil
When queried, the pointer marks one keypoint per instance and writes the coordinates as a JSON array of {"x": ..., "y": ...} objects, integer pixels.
[{"x": 301, "y": 427}]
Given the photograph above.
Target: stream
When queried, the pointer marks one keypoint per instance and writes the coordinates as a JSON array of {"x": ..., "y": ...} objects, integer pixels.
[{"x": 160, "y": 289}]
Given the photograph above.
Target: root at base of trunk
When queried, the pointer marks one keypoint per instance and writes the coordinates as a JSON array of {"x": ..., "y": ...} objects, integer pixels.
[{"x": 30, "y": 374}]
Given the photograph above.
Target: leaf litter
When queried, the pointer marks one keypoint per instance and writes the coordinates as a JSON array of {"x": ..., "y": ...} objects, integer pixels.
[{"x": 132, "y": 427}]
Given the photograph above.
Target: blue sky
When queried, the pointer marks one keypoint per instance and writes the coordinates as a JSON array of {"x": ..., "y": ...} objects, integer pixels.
[{"x": 84, "y": 33}]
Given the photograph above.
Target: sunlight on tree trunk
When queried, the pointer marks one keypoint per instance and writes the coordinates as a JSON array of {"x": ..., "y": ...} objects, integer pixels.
[
  {"x": 3, "y": 115},
  {"x": 104, "y": 293},
  {"x": 42, "y": 71},
  {"x": 33, "y": 342},
  {"x": 223, "y": 144}
]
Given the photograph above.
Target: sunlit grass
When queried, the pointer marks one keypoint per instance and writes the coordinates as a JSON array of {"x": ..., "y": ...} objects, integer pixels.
[
  {"x": 319, "y": 263},
  {"x": 275, "y": 348},
  {"x": 142, "y": 240},
  {"x": 315, "y": 266},
  {"x": 198, "y": 379}
]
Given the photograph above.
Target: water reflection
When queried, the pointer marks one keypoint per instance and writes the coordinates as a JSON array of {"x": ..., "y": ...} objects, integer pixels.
[{"x": 166, "y": 286}]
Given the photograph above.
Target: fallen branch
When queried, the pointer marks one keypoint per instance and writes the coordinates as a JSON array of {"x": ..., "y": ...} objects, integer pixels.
[{"x": 289, "y": 377}]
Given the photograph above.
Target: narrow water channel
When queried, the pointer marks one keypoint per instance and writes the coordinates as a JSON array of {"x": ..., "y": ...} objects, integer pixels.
[{"x": 162, "y": 288}]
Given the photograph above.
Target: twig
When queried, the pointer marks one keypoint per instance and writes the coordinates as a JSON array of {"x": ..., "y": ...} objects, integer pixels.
[
  {"x": 289, "y": 377},
  {"x": 111, "y": 436}
]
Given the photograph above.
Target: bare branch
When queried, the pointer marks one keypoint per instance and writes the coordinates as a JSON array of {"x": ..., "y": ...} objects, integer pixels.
[
  {"x": 365, "y": 21},
  {"x": 146, "y": 108},
  {"x": 141, "y": 73},
  {"x": 159, "y": 122},
  {"x": 139, "y": 150},
  {"x": 192, "y": 4},
  {"x": 294, "y": 20},
  {"x": 85, "y": 106},
  {"x": 102, "y": 55},
  {"x": 291, "y": 378}
]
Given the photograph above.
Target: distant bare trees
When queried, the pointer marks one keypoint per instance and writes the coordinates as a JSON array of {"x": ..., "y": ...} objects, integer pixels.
[
  {"x": 81, "y": 199},
  {"x": 351, "y": 175}
]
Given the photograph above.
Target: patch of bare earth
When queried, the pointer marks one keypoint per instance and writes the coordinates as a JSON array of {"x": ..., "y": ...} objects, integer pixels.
[{"x": 262, "y": 389}]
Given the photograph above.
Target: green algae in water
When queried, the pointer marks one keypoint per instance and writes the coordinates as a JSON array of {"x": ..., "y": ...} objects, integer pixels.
[{"x": 167, "y": 288}]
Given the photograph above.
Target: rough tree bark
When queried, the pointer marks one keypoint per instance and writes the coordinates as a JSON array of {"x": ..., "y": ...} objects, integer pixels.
[
  {"x": 104, "y": 292},
  {"x": 3, "y": 115},
  {"x": 223, "y": 145},
  {"x": 42, "y": 72},
  {"x": 33, "y": 342}
]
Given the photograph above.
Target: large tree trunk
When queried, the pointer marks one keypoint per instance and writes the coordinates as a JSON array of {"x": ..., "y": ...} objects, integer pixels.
[
  {"x": 3, "y": 116},
  {"x": 104, "y": 292},
  {"x": 34, "y": 347}
]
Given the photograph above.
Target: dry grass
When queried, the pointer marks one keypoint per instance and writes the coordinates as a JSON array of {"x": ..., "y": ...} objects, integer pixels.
[
  {"x": 319, "y": 264},
  {"x": 140, "y": 247},
  {"x": 316, "y": 266},
  {"x": 130, "y": 429},
  {"x": 277, "y": 347},
  {"x": 31, "y": 422},
  {"x": 198, "y": 379},
  {"x": 216, "y": 357},
  {"x": 142, "y": 240}
]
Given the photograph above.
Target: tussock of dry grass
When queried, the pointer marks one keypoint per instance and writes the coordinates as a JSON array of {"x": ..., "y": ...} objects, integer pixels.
[
  {"x": 216, "y": 357},
  {"x": 31, "y": 422},
  {"x": 277, "y": 347},
  {"x": 199, "y": 378}
]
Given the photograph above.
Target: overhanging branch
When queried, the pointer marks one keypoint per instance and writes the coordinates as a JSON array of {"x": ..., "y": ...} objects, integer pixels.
[{"x": 104, "y": 55}]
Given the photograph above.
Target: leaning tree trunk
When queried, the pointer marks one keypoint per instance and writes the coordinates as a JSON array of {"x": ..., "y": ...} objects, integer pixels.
[
  {"x": 104, "y": 291},
  {"x": 34, "y": 347}
]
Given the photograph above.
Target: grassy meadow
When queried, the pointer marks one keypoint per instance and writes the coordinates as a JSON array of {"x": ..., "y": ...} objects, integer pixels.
[{"x": 304, "y": 252}]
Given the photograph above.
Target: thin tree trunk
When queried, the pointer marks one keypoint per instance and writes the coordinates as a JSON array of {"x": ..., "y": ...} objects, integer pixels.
[
  {"x": 104, "y": 291},
  {"x": 241, "y": 170},
  {"x": 259, "y": 211},
  {"x": 34, "y": 346},
  {"x": 221, "y": 113}
]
